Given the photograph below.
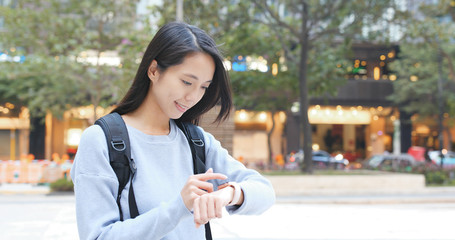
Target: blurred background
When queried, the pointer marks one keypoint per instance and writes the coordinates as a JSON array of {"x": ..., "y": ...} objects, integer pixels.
[
  {"x": 359, "y": 91},
  {"x": 370, "y": 77}
]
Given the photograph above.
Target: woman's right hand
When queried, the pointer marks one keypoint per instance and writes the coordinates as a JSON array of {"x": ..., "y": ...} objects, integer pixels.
[{"x": 197, "y": 185}]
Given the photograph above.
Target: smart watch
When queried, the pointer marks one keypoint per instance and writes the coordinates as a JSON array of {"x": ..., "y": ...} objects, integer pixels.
[{"x": 237, "y": 192}]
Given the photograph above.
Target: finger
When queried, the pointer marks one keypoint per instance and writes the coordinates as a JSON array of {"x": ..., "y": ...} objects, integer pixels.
[
  {"x": 199, "y": 192},
  {"x": 203, "y": 185},
  {"x": 203, "y": 210},
  {"x": 209, "y": 176},
  {"x": 196, "y": 212},
  {"x": 211, "y": 208},
  {"x": 210, "y": 170},
  {"x": 219, "y": 209}
]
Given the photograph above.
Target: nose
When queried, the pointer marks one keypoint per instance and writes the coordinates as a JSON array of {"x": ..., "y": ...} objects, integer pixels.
[{"x": 194, "y": 95}]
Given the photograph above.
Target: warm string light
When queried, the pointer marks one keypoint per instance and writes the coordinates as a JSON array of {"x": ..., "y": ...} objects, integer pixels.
[
  {"x": 7, "y": 108},
  {"x": 341, "y": 115},
  {"x": 245, "y": 116}
]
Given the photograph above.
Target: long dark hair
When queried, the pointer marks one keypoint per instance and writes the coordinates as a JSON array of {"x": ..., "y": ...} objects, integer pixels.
[{"x": 171, "y": 44}]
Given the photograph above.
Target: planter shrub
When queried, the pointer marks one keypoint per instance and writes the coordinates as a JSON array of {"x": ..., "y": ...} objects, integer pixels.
[{"x": 62, "y": 185}]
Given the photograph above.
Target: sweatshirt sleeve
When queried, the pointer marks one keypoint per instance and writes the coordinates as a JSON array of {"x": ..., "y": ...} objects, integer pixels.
[
  {"x": 96, "y": 187},
  {"x": 258, "y": 192}
]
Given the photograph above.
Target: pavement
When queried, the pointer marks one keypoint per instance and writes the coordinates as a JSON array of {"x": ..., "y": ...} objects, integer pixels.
[
  {"x": 23, "y": 188},
  {"x": 53, "y": 217},
  {"x": 424, "y": 195},
  {"x": 34, "y": 212}
]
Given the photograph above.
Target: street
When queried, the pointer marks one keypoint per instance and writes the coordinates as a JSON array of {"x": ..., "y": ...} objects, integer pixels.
[{"x": 37, "y": 216}]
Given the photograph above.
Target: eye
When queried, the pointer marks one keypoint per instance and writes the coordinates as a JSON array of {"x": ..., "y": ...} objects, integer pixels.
[
  {"x": 205, "y": 87},
  {"x": 186, "y": 83}
]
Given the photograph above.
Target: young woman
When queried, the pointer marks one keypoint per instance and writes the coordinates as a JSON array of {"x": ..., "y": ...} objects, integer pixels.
[{"x": 181, "y": 76}]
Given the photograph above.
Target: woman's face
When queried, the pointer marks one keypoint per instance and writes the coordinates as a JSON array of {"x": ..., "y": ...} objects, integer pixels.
[{"x": 182, "y": 86}]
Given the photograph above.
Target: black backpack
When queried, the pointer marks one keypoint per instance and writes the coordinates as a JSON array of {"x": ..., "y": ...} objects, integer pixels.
[{"x": 118, "y": 144}]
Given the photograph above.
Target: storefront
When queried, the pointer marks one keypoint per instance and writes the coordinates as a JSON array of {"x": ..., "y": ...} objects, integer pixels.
[
  {"x": 355, "y": 130},
  {"x": 14, "y": 131},
  {"x": 63, "y": 135}
]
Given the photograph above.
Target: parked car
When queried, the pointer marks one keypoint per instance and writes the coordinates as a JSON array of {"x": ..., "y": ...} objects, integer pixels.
[
  {"x": 354, "y": 158},
  {"x": 392, "y": 162},
  {"x": 321, "y": 159},
  {"x": 449, "y": 158}
]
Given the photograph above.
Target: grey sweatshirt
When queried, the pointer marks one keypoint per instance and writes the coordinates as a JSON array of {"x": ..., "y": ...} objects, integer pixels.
[{"x": 164, "y": 164}]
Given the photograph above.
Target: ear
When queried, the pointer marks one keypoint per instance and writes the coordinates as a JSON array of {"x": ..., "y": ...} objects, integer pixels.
[{"x": 153, "y": 72}]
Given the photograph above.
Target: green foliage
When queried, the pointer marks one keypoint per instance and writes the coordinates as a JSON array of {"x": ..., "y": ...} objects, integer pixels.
[
  {"x": 62, "y": 185},
  {"x": 315, "y": 38},
  {"x": 437, "y": 177},
  {"x": 238, "y": 34},
  {"x": 241, "y": 29},
  {"x": 421, "y": 95},
  {"x": 426, "y": 39},
  {"x": 329, "y": 33},
  {"x": 32, "y": 83},
  {"x": 54, "y": 36},
  {"x": 434, "y": 176},
  {"x": 327, "y": 68},
  {"x": 440, "y": 177},
  {"x": 262, "y": 91}
]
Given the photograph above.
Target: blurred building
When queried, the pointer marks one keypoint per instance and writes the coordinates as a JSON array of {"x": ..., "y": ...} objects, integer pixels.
[
  {"x": 358, "y": 119},
  {"x": 14, "y": 130}
]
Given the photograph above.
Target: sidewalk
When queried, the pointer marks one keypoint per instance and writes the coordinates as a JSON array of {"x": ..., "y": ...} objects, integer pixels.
[
  {"x": 23, "y": 188},
  {"x": 53, "y": 217},
  {"x": 373, "y": 188},
  {"x": 425, "y": 195}
]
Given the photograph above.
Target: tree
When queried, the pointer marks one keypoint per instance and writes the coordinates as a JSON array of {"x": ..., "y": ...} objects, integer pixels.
[
  {"x": 63, "y": 43},
  {"x": 315, "y": 34},
  {"x": 56, "y": 38},
  {"x": 316, "y": 50},
  {"x": 425, "y": 65},
  {"x": 234, "y": 28},
  {"x": 264, "y": 92},
  {"x": 31, "y": 31}
]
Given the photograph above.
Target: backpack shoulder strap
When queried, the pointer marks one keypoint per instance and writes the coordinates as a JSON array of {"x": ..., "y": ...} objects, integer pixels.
[
  {"x": 118, "y": 144},
  {"x": 196, "y": 141}
]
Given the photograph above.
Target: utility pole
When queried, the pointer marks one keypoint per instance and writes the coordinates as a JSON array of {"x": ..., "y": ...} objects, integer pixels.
[
  {"x": 440, "y": 103},
  {"x": 303, "y": 87},
  {"x": 179, "y": 17}
]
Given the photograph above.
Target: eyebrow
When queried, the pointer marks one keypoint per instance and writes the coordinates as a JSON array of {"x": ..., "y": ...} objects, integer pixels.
[{"x": 193, "y": 76}]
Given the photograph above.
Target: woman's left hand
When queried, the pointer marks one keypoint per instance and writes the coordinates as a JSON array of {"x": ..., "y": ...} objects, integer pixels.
[{"x": 210, "y": 205}]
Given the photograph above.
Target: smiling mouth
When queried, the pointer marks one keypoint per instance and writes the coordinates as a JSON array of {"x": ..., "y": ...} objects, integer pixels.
[{"x": 180, "y": 107}]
